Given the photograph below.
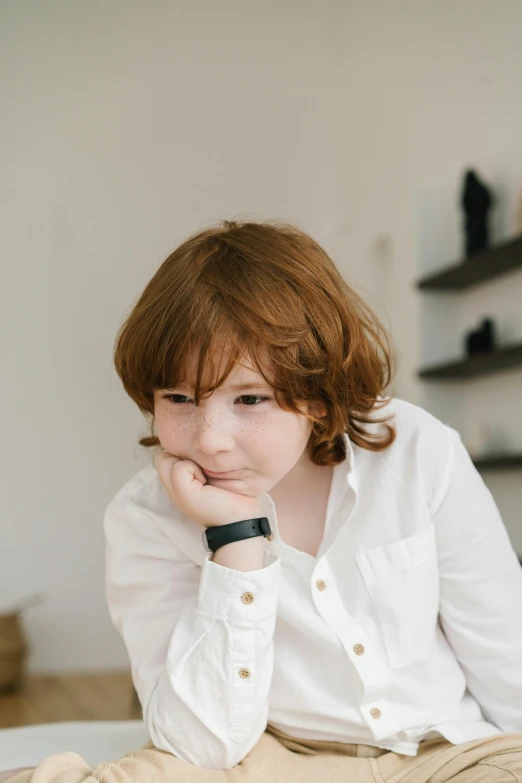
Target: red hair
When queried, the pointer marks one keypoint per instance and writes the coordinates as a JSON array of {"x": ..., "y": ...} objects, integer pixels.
[{"x": 262, "y": 289}]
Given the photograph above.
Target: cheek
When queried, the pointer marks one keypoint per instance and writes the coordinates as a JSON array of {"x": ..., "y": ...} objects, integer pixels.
[
  {"x": 170, "y": 428},
  {"x": 280, "y": 436},
  {"x": 259, "y": 432}
]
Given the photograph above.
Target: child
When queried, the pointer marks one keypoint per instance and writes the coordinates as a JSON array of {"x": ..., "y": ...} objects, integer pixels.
[{"x": 342, "y": 602}]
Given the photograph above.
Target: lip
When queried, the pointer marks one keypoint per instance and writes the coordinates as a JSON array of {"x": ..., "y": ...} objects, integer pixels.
[{"x": 213, "y": 473}]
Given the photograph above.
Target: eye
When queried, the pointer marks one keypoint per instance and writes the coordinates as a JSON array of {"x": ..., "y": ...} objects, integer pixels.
[
  {"x": 171, "y": 397},
  {"x": 253, "y": 397},
  {"x": 174, "y": 399}
]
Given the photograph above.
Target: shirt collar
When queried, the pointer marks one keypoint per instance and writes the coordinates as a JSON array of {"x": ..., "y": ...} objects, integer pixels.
[
  {"x": 349, "y": 463},
  {"x": 343, "y": 471},
  {"x": 346, "y": 468}
]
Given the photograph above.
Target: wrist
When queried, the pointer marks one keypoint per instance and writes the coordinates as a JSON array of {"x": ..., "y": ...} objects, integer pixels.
[
  {"x": 254, "y": 514},
  {"x": 218, "y": 536},
  {"x": 246, "y": 513},
  {"x": 244, "y": 555}
]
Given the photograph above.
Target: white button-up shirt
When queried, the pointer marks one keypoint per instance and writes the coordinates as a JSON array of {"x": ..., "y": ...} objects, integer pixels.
[{"x": 406, "y": 625}]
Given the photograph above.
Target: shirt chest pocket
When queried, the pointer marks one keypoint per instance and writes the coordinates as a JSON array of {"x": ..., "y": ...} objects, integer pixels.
[{"x": 402, "y": 580}]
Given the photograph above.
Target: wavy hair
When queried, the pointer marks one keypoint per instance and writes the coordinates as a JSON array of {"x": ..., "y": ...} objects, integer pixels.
[{"x": 262, "y": 289}]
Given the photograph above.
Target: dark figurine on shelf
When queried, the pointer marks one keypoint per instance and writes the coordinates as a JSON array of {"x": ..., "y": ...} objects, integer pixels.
[
  {"x": 477, "y": 201},
  {"x": 482, "y": 340}
]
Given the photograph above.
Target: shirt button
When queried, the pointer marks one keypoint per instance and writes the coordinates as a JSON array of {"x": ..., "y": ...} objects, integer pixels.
[
  {"x": 244, "y": 673},
  {"x": 359, "y": 649},
  {"x": 247, "y": 598},
  {"x": 375, "y": 713},
  {"x": 320, "y": 584}
]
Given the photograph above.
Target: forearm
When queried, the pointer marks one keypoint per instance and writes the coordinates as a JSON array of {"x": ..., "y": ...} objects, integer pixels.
[{"x": 210, "y": 703}]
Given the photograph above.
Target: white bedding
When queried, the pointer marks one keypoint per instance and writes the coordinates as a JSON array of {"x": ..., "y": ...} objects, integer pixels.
[{"x": 95, "y": 741}]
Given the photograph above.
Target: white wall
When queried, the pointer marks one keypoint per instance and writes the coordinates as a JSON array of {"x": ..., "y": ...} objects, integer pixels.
[
  {"x": 128, "y": 125},
  {"x": 431, "y": 88}
]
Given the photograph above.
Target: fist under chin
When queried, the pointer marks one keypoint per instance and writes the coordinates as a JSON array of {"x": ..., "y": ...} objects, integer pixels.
[{"x": 239, "y": 486}]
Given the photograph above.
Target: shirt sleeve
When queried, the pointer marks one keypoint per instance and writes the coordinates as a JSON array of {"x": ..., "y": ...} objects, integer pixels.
[
  {"x": 199, "y": 639},
  {"x": 481, "y": 590}
]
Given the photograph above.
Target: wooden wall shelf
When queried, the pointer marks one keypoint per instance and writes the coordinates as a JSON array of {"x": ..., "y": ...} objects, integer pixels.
[
  {"x": 482, "y": 266},
  {"x": 501, "y": 359},
  {"x": 498, "y": 461}
]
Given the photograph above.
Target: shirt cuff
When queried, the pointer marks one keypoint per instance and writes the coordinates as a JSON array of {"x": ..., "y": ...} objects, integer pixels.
[{"x": 223, "y": 591}]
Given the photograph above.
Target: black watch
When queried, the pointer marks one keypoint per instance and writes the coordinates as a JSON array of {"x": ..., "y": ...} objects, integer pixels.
[{"x": 215, "y": 537}]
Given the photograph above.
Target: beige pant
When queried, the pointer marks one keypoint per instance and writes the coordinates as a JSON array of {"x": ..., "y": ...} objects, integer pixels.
[{"x": 279, "y": 758}]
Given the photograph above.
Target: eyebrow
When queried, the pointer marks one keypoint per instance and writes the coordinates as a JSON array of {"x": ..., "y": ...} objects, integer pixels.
[
  {"x": 241, "y": 386},
  {"x": 253, "y": 385}
]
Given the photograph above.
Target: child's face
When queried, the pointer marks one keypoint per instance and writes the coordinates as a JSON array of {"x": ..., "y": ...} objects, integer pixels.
[{"x": 240, "y": 430}]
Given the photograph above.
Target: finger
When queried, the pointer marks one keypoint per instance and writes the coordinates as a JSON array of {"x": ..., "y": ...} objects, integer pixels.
[
  {"x": 165, "y": 465},
  {"x": 156, "y": 458},
  {"x": 164, "y": 456},
  {"x": 186, "y": 471},
  {"x": 199, "y": 475}
]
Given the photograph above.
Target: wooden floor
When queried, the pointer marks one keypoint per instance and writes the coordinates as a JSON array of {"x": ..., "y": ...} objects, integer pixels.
[{"x": 50, "y": 698}]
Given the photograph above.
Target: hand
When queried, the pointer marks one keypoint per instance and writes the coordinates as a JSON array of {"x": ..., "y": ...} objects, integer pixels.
[{"x": 189, "y": 490}]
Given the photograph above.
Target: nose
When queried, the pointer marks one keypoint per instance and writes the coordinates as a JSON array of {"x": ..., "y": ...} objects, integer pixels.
[{"x": 213, "y": 433}]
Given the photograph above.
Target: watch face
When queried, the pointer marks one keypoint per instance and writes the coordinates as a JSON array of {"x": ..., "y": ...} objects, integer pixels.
[{"x": 205, "y": 542}]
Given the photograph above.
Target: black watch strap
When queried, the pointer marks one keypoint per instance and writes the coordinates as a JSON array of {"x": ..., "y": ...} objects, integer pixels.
[{"x": 218, "y": 536}]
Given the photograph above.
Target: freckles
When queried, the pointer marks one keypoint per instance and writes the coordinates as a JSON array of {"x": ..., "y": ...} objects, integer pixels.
[
  {"x": 258, "y": 431},
  {"x": 178, "y": 429},
  {"x": 175, "y": 426},
  {"x": 170, "y": 426}
]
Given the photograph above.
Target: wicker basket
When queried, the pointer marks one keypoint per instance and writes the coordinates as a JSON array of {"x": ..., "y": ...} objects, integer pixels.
[{"x": 13, "y": 651}]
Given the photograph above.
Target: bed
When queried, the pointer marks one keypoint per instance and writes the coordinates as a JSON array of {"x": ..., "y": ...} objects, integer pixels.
[{"x": 95, "y": 741}]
